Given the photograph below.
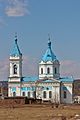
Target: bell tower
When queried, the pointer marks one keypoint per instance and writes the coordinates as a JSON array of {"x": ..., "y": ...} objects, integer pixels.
[
  {"x": 49, "y": 65},
  {"x": 15, "y": 74}
]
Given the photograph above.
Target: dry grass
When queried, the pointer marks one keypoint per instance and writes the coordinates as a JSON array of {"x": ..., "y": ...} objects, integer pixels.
[{"x": 38, "y": 112}]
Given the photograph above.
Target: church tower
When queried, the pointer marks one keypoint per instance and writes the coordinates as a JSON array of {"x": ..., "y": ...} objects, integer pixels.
[
  {"x": 49, "y": 65},
  {"x": 15, "y": 74}
]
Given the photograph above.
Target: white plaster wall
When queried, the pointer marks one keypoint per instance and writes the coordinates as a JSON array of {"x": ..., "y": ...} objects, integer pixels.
[
  {"x": 39, "y": 93},
  {"x": 52, "y": 66},
  {"x": 14, "y": 79},
  {"x": 69, "y": 91},
  {"x": 57, "y": 75},
  {"x": 45, "y": 71},
  {"x": 55, "y": 92},
  {"x": 18, "y": 62},
  {"x": 18, "y": 90},
  {"x": 9, "y": 92},
  {"x": 19, "y": 69},
  {"x": 26, "y": 91}
]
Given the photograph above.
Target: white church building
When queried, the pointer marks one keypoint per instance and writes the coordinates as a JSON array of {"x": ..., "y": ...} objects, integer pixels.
[{"x": 48, "y": 85}]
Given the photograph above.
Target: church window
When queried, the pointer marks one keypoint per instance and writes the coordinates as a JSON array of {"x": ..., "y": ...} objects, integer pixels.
[
  {"x": 50, "y": 94},
  {"x": 55, "y": 70},
  {"x": 65, "y": 94},
  {"x": 14, "y": 94},
  {"x": 44, "y": 94},
  {"x": 23, "y": 94},
  {"x": 15, "y": 69},
  {"x": 34, "y": 94},
  {"x": 28, "y": 94},
  {"x": 48, "y": 70},
  {"x": 41, "y": 70}
]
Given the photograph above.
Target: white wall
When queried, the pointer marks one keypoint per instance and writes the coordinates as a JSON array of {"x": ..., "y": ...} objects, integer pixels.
[
  {"x": 10, "y": 91},
  {"x": 18, "y": 62},
  {"x": 69, "y": 91},
  {"x": 52, "y": 66},
  {"x": 45, "y": 71},
  {"x": 55, "y": 92}
]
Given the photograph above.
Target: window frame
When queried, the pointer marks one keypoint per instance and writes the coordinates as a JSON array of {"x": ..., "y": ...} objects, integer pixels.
[
  {"x": 48, "y": 70},
  {"x": 65, "y": 94},
  {"x": 34, "y": 94},
  {"x": 44, "y": 94},
  {"x": 23, "y": 93},
  {"x": 28, "y": 94},
  {"x": 14, "y": 94},
  {"x": 15, "y": 69},
  {"x": 41, "y": 70},
  {"x": 55, "y": 70},
  {"x": 50, "y": 94}
]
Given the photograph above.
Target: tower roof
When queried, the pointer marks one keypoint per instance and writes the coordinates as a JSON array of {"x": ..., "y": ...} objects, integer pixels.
[
  {"x": 15, "y": 51},
  {"x": 49, "y": 55}
]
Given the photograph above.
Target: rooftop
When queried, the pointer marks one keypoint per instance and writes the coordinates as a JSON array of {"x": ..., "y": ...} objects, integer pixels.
[
  {"x": 66, "y": 79},
  {"x": 49, "y": 55},
  {"x": 30, "y": 79},
  {"x": 15, "y": 51}
]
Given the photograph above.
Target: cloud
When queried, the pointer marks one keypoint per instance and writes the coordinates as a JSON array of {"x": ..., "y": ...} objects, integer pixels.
[
  {"x": 70, "y": 68},
  {"x": 16, "y": 8}
]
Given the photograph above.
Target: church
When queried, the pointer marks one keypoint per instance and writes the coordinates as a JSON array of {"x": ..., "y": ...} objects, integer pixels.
[{"x": 48, "y": 85}]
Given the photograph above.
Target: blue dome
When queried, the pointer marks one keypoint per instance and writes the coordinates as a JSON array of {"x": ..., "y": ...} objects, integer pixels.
[
  {"x": 49, "y": 55},
  {"x": 15, "y": 51}
]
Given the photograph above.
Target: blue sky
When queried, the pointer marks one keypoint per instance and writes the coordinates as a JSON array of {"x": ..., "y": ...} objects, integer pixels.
[{"x": 33, "y": 20}]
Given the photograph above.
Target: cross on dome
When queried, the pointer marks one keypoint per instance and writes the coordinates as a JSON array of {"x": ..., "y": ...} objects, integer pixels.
[
  {"x": 49, "y": 55},
  {"x": 49, "y": 42},
  {"x": 16, "y": 37}
]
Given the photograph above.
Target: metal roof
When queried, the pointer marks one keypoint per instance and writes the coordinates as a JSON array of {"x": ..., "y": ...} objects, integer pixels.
[
  {"x": 66, "y": 79},
  {"x": 15, "y": 51},
  {"x": 49, "y": 55}
]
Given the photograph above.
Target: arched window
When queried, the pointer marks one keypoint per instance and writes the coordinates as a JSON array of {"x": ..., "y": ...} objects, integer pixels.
[
  {"x": 44, "y": 94},
  {"x": 14, "y": 94},
  {"x": 34, "y": 94},
  {"x": 23, "y": 94},
  {"x": 48, "y": 70},
  {"x": 50, "y": 94},
  {"x": 41, "y": 70},
  {"x": 15, "y": 69},
  {"x": 55, "y": 70},
  {"x": 65, "y": 94},
  {"x": 28, "y": 94}
]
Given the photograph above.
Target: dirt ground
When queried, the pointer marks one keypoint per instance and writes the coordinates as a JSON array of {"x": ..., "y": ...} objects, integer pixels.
[{"x": 39, "y": 112}]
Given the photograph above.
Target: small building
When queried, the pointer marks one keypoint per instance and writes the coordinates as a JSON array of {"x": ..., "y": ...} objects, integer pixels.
[
  {"x": 48, "y": 85},
  {"x": 76, "y": 91}
]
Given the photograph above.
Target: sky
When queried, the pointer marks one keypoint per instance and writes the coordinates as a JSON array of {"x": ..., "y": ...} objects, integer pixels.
[{"x": 33, "y": 20}]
